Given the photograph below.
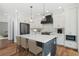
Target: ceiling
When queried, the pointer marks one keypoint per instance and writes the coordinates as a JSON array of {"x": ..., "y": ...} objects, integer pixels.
[{"x": 38, "y": 9}]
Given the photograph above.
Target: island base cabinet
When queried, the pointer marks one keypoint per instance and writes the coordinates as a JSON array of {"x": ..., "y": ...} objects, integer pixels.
[{"x": 49, "y": 47}]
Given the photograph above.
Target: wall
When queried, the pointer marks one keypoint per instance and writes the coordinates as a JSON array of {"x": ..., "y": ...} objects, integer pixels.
[
  {"x": 4, "y": 19},
  {"x": 10, "y": 27}
]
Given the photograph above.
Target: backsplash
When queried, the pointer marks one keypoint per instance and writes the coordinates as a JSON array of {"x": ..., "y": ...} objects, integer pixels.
[{"x": 35, "y": 31}]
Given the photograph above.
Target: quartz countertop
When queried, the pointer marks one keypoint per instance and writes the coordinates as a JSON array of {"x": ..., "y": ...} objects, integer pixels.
[{"x": 39, "y": 37}]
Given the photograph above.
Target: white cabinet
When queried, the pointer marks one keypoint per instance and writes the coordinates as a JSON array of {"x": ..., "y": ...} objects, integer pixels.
[
  {"x": 70, "y": 21},
  {"x": 60, "y": 39},
  {"x": 58, "y": 20},
  {"x": 71, "y": 44},
  {"x": 71, "y": 26}
]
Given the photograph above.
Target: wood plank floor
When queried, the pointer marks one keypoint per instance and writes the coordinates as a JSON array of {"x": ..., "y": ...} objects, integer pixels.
[
  {"x": 10, "y": 50},
  {"x": 64, "y": 51}
]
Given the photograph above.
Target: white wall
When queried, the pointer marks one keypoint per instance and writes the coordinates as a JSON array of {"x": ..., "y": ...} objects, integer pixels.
[
  {"x": 4, "y": 18},
  {"x": 10, "y": 27}
]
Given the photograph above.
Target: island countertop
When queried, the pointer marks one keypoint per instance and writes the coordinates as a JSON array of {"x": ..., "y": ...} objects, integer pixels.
[{"x": 39, "y": 38}]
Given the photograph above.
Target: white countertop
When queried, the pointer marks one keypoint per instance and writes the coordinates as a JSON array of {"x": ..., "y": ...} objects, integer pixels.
[{"x": 39, "y": 38}]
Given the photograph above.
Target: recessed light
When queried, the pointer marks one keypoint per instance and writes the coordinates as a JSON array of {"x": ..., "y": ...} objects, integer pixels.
[
  {"x": 47, "y": 11},
  {"x": 31, "y": 20},
  {"x": 35, "y": 30},
  {"x": 59, "y": 7},
  {"x": 43, "y": 16}
]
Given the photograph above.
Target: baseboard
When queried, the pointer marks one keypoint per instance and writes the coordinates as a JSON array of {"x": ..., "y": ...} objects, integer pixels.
[
  {"x": 71, "y": 48},
  {"x": 60, "y": 45}
]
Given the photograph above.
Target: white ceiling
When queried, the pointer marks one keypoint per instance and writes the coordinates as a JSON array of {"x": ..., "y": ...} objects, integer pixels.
[{"x": 37, "y": 10}]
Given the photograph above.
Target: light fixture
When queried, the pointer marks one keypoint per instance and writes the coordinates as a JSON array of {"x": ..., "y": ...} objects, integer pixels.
[
  {"x": 47, "y": 11},
  {"x": 59, "y": 7},
  {"x": 43, "y": 17},
  {"x": 35, "y": 30},
  {"x": 31, "y": 20},
  {"x": 31, "y": 13},
  {"x": 43, "y": 11}
]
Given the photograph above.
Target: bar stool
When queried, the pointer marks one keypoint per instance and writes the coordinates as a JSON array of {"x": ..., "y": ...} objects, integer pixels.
[
  {"x": 24, "y": 45},
  {"x": 18, "y": 44},
  {"x": 33, "y": 48}
]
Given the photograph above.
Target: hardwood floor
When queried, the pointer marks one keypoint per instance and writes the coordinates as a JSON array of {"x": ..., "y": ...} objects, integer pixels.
[
  {"x": 64, "y": 51},
  {"x": 10, "y": 50}
]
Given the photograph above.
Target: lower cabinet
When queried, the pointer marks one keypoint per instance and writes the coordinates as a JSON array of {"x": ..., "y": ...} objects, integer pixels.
[
  {"x": 70, "y": 44},
  {"x": 60, "y": 39}
]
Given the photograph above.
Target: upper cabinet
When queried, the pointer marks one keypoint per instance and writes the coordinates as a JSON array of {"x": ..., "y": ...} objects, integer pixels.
[
  {"x": 58, "y": 20},
  {"x": 70, "y": 21}
]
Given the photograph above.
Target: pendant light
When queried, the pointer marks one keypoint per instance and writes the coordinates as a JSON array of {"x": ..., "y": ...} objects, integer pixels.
[
  {"x": 31, "y": 13},
  {"x": 43, "y": 10}
]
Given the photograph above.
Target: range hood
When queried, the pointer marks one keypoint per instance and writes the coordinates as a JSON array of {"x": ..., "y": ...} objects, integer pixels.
[{"x": 47, "y": 20}]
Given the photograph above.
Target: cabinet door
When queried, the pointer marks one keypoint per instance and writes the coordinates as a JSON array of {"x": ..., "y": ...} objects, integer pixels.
[
  {"x": 58, "y": 20},
  {"x": 60, "y": 39},
  {"x": 70, "y": 21}
]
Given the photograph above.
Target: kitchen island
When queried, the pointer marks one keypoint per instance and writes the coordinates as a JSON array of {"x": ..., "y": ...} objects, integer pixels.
[{"x": 48, "y": 42}]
